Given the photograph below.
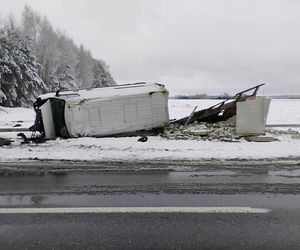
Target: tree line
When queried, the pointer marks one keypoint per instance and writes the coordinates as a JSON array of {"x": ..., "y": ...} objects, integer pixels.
[
  {"x": 204, "y": 96},
  {"x": 35, "y": 58}
]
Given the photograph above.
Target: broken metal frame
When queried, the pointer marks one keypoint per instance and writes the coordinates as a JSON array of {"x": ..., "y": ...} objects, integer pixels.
[{"x": 220, "y": 111}]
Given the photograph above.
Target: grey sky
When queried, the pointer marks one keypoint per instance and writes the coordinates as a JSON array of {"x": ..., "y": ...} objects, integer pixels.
[{"x": 192, "y": 46}]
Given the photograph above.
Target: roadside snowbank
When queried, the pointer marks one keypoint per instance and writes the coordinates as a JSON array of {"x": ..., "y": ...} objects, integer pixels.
[{"x": 156, "y": 148}]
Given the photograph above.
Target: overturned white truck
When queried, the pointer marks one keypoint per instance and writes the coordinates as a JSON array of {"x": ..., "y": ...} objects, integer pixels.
[
  {"x": 103, "y": 111},
  {"x": 137, "y": 109}
]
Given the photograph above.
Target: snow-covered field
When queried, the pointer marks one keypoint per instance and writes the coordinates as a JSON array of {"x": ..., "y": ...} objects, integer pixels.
[{"x": 156, "y": 148}]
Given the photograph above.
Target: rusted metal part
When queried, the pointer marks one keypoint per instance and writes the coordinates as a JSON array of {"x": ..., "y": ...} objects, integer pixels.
[{"x": 220, "y": 111}]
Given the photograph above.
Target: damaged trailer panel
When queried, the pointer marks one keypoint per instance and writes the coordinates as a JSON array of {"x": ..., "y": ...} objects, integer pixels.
[
  {"x": 220, "y": 111},
  {"x": 103, "y": 111}
]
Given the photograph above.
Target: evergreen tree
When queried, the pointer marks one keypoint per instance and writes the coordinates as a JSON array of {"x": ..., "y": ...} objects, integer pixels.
[
  {"x": 19, "y": 80},
  {"x": 102, "y": 77},
  {"x": 34, "y": 58}
]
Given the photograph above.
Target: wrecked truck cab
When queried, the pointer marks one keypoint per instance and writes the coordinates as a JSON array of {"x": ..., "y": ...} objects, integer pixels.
[
  {"x": 50, "y": 115},
  {"x": 100, "y": 112}
]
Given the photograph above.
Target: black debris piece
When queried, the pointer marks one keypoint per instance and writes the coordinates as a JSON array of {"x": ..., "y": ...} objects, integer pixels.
[
  {"x": 5, "y": 142},
  {"x": 143, "y": 139}
]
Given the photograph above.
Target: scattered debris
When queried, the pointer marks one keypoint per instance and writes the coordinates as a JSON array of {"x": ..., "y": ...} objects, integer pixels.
[
  {"x": 294, "y": 134},
  {"x": 24, "y": 137},
  {"x": 229, "y": 120},
  {"x": 5, "y": 142},
  {"x": 31, "y": 139},
  {"x": 297, "y": 136},
  {"x": 282, "y": 132},
  {"x": 219, "y": 131},
  {"x": 260, "y": 138},
  {"x": 143, "y": 139}
]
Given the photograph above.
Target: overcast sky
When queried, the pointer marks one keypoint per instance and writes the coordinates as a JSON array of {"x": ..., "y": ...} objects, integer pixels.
[{"x": 192, "y": 46}]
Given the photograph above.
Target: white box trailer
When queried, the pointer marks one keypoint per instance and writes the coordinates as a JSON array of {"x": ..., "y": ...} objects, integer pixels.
[{"x": 104, "y": 111}]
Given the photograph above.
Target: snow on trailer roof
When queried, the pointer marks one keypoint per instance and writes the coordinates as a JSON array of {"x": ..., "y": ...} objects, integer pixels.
[{"x": 108, "y": 92}]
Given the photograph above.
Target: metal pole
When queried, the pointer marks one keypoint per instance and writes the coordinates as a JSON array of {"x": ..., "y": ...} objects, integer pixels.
[{"x": 190, "y": 116}]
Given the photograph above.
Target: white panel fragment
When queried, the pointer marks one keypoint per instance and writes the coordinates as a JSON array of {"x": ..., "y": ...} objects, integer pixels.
[{"x": 251, "y": 116}]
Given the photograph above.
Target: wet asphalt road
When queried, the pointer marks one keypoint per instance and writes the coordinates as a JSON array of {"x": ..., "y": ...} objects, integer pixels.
[
  {"x": 277, "y": 230},
  {"x": 276, "y": 189}
]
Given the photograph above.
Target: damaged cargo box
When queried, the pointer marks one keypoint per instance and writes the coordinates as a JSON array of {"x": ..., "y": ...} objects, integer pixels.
[
  {"x": 251, "y": 115},
  {"x": 103, "y": 111}
]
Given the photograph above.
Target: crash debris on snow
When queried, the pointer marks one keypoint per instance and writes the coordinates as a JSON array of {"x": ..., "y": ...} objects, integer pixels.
[
  {"x": 223, "y": 131},
  {"x": 199, "y": 131},
  {"x": 277, "y": 132},
  {"x": 141, "y": 109},
  {"x": 5, "y": 142},
  {"x": 230, "y": 120},
  {"x": 219, "y": 131}
]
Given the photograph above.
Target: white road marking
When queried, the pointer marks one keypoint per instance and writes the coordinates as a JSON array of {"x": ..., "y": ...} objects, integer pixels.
[{"x": 70, "y": 210}]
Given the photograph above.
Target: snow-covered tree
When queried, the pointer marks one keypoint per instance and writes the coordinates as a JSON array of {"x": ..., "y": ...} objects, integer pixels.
[
  {"x": 63, "y": 64},
  {"x": 85, "y": 67},
  {"x": 20, "y": 83},
  {"x": 102, "y": 76},
  {"x": 35, "y": 58}
]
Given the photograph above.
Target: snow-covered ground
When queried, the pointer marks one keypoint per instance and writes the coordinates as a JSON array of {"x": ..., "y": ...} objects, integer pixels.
[
  {"x": 156, "y": 148},
  {"x": 12, "y": 116}
]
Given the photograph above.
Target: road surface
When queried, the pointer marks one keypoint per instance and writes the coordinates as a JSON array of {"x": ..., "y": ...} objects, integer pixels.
[{"x": 194, "y": 208}]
